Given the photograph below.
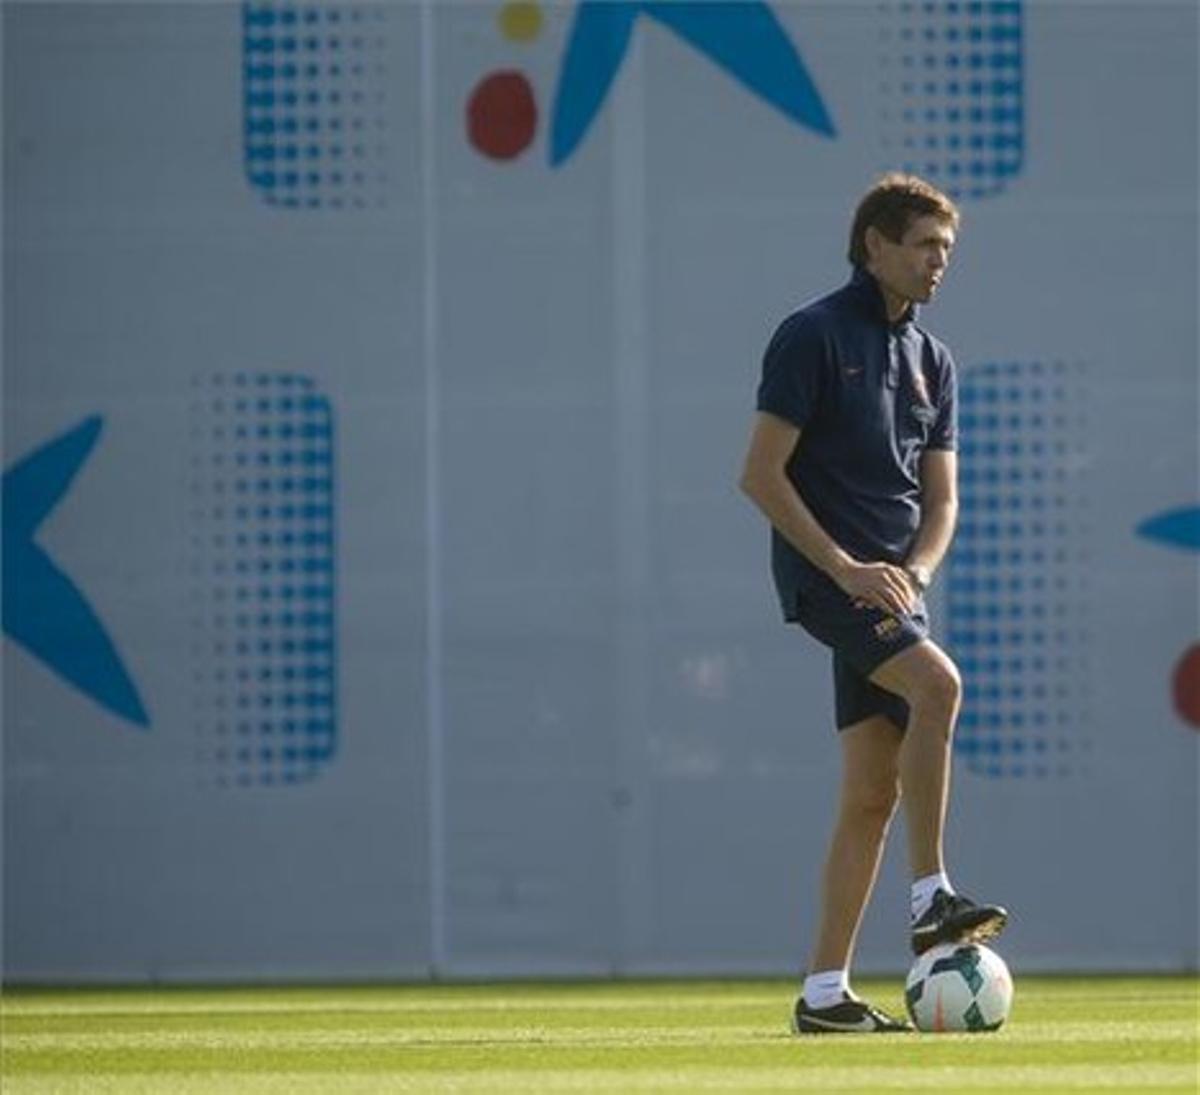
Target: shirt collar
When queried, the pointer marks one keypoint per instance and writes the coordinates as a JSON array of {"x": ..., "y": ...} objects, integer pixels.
[{"x": 866, "y": 291}]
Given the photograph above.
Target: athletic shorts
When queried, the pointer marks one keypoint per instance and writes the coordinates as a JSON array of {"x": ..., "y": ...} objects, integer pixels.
[{"x": 861, "y": 639}]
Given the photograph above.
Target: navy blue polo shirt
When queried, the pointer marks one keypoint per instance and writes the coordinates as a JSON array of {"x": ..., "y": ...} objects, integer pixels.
[{"x": 870, "y": 397}]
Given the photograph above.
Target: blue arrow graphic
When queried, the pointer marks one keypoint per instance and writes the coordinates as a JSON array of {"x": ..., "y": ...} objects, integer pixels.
[
  {"x": 44, "y": 611},
  {"x": 1178, "y": 528},
  {"x": 743, "y": 37}
]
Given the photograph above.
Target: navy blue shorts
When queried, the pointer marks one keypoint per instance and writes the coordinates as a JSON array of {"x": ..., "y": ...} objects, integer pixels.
[{"x": 861, "y": 639}]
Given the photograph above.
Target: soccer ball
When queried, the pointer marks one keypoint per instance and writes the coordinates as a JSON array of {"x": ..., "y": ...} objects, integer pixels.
[{"x": 958, "y": 986}]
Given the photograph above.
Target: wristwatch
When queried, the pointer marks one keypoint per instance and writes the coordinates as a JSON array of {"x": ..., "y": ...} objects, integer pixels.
[{"x": 919, "y": 575}]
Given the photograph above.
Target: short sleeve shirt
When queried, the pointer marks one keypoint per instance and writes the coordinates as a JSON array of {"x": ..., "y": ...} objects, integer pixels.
[{"x": 870, "y": 397}]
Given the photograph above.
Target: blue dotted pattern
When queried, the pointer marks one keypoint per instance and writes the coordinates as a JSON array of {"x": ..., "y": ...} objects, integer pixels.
[
  {"x": 314, "y": 104},
  {"x": 953, "y": 92},
  {"x": 263, "y": 545},
  {"x": 1015, "y": 574}
]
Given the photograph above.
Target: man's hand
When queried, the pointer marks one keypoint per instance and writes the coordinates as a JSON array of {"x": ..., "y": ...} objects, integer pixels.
[{"x": 878, "y": 585}]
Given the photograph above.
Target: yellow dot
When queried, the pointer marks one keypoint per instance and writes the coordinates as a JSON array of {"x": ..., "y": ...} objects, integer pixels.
[{"x": 521, "y": 21}]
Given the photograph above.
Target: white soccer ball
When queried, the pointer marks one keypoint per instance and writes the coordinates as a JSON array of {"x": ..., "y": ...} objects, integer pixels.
[{"x": 958, "y": 987}]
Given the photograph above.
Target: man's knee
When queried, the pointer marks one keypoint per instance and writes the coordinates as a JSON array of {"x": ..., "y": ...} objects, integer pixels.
[
  {"x": 941, "y": 685},
  {"x": 870, "y": 773},
  {"x": 925, "y": 677}
]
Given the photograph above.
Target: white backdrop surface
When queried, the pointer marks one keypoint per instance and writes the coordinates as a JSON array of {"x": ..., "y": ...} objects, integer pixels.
[{"x": 378, "y": 601}]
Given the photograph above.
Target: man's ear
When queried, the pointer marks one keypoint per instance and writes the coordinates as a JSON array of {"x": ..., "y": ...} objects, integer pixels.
[{"x": 872, "y": 241}]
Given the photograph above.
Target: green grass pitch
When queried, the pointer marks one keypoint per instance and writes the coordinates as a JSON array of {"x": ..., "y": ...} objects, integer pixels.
[{"x": 1078, "y": 1035}]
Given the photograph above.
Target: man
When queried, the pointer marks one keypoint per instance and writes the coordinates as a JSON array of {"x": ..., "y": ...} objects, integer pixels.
[{"x": 852, "y": 460}]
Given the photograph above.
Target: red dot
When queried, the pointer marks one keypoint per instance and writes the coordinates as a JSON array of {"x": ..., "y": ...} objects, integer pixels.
[
  {"x": 1185, "y": 685},
  {"x": 502, "y": 115}
]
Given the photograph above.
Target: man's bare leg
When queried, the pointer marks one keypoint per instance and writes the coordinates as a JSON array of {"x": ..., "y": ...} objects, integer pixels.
[
  {"x": 868, "y": 800},
  {"x": 929, "y": 682},
  {"x": 868, "y": 797}
]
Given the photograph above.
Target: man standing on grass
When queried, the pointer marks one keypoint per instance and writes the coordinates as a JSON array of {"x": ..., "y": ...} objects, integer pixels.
[{"x": 852, "y": 460}]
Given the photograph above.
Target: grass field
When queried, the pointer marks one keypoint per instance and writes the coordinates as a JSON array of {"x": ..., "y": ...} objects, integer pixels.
[{"x": 1094, "y": 1034}]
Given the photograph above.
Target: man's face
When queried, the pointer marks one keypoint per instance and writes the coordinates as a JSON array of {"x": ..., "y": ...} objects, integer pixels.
[{"x": 913, "y": 268}]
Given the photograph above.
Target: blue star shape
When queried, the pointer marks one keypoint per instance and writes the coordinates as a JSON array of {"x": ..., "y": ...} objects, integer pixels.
[
  {"x": 743, "y": 37},
  {"x": 44, "y": 611},
  {"x": 1177, "y": 528}
]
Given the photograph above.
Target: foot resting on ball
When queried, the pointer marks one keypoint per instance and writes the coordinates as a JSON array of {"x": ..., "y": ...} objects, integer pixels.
[
  {"x": 955, "y": 918},
  {"x": 851, "y": 1016}
]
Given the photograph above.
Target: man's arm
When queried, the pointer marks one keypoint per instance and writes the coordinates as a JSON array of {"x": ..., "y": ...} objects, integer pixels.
[
  {"x": 939, "y": 513},
  {"x": 764, "y": 479}
]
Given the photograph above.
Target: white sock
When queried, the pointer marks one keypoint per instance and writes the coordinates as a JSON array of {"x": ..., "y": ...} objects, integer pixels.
[
  {"x": 924, "y": 889},
  {"x": 826, "y": 988}
]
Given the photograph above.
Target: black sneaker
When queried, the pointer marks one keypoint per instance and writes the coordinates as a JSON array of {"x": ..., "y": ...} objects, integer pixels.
[
  {"x": 851, "y": 1016},
  {"x": 954, "y": 918}
]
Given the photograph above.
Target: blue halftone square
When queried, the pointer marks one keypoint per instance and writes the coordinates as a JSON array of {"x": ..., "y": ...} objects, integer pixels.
[
  {"x": 1015, "y": 575},
  {"x": 953, "y": 92},
  {"x": 263, "y": 533},
  {"x": 314, "y": 106}
]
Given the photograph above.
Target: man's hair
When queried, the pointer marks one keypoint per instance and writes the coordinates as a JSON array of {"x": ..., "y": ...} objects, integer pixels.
[{"x": 891, "y": 205}]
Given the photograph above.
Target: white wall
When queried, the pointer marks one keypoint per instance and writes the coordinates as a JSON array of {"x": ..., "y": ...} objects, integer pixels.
[{"x": 524, "y": 703}]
